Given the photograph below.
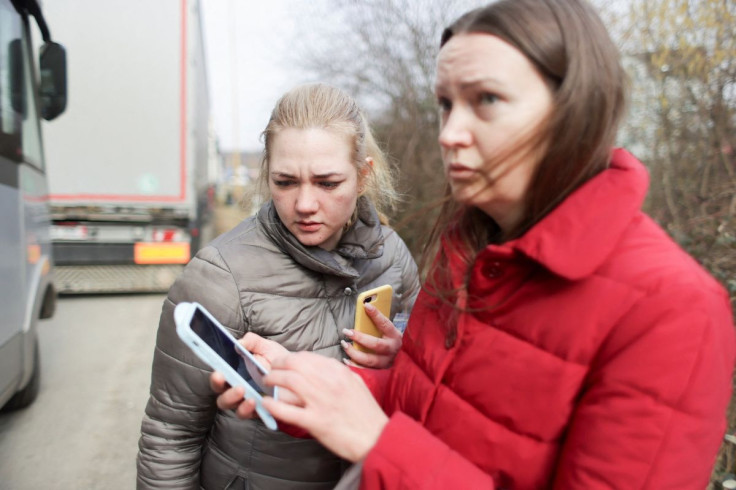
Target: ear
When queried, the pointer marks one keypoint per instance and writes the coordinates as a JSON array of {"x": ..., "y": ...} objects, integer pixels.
[
  {"x": 363, "y": 175},
  {"x": 369, "y": 167}
]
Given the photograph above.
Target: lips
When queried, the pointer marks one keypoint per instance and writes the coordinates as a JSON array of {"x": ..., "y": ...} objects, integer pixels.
[
  {"x": 458, "y": 171},
  {"x": 308, "y": 226}
]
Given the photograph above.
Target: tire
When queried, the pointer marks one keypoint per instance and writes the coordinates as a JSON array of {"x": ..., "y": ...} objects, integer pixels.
[{"x": 28, "y": 394}]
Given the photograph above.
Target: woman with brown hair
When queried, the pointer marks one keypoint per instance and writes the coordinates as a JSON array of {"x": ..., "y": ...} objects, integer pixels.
[{"x": 561, "y": 339}]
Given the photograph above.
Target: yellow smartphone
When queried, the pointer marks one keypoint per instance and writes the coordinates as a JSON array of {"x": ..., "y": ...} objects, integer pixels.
[{"x": 379, "y": 297}]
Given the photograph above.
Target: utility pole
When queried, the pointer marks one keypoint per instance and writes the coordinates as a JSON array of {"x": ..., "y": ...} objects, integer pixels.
[{"x": 234, "y": 87}]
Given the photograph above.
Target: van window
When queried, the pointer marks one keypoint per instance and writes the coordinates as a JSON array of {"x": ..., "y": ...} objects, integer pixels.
[
  {"x": 20, "y": 135},
  {"x": 10, "y": 118},
  {"x": 30, "y": 131}
]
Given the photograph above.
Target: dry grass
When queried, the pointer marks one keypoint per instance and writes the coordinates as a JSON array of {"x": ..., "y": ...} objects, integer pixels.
[{"x": 227, "y": 217}]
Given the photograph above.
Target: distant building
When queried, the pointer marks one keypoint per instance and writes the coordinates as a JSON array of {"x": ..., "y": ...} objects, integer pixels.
[
  {"x": 240, "y": 171},
  {"x": 240, "y": 168}
]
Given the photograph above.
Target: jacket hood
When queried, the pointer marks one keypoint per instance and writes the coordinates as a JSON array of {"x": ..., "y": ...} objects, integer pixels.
[{"x": 363, "y": 240}]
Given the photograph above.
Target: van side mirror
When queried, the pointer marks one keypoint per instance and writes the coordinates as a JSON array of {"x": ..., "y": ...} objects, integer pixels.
[{"x": 52, "y": 63}]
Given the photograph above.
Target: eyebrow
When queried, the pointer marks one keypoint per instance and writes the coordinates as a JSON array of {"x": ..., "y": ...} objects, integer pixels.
[
  {"x": 474, "y": 83},
  {"x": 316, "y": 176},
  {"x": 327, "y": 175}
]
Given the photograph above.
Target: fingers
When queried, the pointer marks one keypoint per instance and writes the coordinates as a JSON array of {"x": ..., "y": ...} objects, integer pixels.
[
  {"x": 367, "y": 359},
  {"x": 306, "y": 375},
  {"x": 382, "y": 350},
  {"x": 257, "y": 345},
  {"x": 381, "y": 346},
  {"x": 246, "y": 410},
  {"x": 218, "y": 383},
  {"x": 376, "y": 344},
  {"x": 264, "y": 350},
  {"x": 231, "y": 398},
  {"x": 289, "y": 380},
  {"x": 381, "y": 322},
  {"x": 288, "y": 396},
  {"x": 291, "y": 414}
]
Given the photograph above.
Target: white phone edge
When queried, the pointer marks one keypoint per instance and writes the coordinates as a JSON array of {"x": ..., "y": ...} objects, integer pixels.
[{"x": 182, "y": 315}]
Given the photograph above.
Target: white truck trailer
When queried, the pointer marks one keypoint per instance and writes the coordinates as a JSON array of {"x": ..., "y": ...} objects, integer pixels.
[{"x": 131, "y": 164}]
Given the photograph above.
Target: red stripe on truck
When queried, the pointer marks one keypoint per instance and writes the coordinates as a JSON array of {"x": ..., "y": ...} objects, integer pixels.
[{"x": 183, "y": 103}]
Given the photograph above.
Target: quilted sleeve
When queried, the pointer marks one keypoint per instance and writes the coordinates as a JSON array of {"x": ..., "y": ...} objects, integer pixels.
[
  {"x": 181, "y": 407},
  {"x": 652, "y": 414},
  {"x": 407, "y": 456}
]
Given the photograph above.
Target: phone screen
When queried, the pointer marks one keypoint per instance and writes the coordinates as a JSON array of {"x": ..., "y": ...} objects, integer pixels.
[{"x": 223, "y": 345}]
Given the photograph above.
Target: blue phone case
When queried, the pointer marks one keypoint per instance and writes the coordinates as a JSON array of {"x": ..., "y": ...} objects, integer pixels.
[{"x": 183, "y": 315}]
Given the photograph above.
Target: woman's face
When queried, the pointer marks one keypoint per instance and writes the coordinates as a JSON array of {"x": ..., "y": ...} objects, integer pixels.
[
  {"x": 490, "y": 95},
  {"x": 313, "y": 183}
]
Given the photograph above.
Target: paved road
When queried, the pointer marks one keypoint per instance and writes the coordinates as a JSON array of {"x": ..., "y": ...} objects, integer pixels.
[{"x": 82, "y": 431}]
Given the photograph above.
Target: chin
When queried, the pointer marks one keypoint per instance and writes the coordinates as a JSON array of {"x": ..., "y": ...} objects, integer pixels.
[
  {"x": 463, "y": 197},
  {"x": 311, "y": 241}
]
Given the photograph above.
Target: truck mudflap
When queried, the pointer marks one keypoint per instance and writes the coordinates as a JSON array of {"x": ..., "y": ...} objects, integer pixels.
[{"x": 92, "y": 279}]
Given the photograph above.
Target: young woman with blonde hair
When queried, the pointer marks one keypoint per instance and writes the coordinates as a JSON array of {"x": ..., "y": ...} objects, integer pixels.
[{"x": 291, "y": 274}]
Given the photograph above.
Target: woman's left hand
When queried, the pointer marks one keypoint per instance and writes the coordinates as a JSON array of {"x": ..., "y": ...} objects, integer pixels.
[
  {"x": 334, "y": 404},
  {"x": 384, "y": 349}
]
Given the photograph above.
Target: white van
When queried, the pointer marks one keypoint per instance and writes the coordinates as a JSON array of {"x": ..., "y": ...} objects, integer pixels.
[{"x": 28, "y": 91}]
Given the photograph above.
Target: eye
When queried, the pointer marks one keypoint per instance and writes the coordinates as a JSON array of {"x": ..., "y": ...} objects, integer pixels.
[
  {"x": 329, "y": 185},
  {"x": 444, "y": 104},
  {"x": 487, "y": 98},
  {"x": 283, "y": 182}
]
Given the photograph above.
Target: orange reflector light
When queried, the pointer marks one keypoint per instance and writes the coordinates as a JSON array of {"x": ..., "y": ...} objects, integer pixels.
[
  {"x": 34, "y": 253},
  {"x": 161, "y": 253}
]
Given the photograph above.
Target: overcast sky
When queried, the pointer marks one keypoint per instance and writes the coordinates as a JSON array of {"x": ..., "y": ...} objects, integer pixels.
[
  {"x": 250, "y": 46},
  {"x": 246, "y": 45}
]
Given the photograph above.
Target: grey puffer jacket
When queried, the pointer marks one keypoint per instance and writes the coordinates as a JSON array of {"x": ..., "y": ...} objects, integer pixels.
[{"x": 259, "y": 278}]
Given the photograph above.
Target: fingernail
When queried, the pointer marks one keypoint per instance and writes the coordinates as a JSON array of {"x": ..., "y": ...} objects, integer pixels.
[
  {"x": 347, "y": 332},
  {"x": 344, "y": 344},
  {"x": 369, "y": 307}
]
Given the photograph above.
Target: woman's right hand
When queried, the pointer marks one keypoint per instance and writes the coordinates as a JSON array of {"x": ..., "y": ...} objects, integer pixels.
[
  {"x": 383, "y": 349},
  {"x": 265, "y": 351}
]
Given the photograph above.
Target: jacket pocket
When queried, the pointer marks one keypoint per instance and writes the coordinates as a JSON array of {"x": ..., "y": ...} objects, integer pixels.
[
  {"x": 218, "y": 472},
  {"x": 237, "y": 483}
]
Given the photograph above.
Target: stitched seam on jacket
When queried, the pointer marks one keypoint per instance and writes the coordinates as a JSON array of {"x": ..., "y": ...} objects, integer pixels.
[
  {"x": 668, "y": 429},
  {"x": 327, "y": 298},
  {"x": 477, "y": 410},
  {"x": 179, "y": 361},
  {"x": 650, "y": 394},
  {"x": 226, "y": 268}
]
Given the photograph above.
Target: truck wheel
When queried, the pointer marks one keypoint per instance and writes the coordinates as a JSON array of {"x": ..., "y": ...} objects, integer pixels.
[{"x": 28, "y": 394}]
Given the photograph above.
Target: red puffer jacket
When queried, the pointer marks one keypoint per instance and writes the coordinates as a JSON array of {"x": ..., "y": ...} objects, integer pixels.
[{"x": 598, "y": 355}]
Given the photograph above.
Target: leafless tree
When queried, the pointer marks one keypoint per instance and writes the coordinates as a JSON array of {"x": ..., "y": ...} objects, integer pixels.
[{"x": 384, "y": 52}]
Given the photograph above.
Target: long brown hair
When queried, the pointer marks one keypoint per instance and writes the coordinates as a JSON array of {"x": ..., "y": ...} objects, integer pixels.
[{"x": 567, "y": 43}]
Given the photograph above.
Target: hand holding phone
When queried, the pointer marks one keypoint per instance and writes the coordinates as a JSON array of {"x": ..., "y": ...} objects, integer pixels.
[
  {"x": 214, "y": 345},
  {"x": 379, "y": 297}
]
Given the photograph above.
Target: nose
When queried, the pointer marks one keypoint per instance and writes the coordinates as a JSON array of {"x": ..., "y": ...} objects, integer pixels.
[
  {"x": 306, "y": 201},
  {"x": 455, "y": 130}
]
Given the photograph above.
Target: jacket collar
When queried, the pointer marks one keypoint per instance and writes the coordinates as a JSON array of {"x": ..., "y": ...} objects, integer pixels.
[
  {"x": 575, "y": 238},
  {"x": 363, "y": 240}
]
